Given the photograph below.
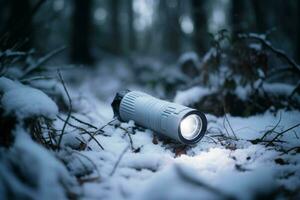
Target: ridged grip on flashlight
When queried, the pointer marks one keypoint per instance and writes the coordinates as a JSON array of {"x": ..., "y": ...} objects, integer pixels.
[{"x": 158, "y": 115}]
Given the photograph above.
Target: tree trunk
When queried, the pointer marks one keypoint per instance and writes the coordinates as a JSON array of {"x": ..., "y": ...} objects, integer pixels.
[
  {"x": 116, "y": 43},
  {"x": 131, "y": 30},
  {"x": 171, "y": 32},
  {"x": 260, "y": 16},
  {"x": 237, "y": 16},
  {"x": 298, "y": 33},
  {"x": 200, "y": 23},
  {"x": 18, "y": 33},
  {"x": 80, "y": 44}
]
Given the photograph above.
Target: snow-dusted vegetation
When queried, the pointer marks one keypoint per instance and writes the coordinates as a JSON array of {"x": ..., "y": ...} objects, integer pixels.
[{"x": 60, "y": 138}]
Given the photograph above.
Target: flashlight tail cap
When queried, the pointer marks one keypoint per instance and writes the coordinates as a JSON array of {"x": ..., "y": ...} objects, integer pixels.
[{"x": 117, "y": 101}]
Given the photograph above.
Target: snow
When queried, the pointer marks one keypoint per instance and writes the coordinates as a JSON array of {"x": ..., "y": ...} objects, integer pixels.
[
  {"x": 242, "y": 92},
  {"x": 188, "y": 56},
  {"x": 278, "y": 88},
  {"x": 44, "y": 177},
  {"x": 236, "y": 169},
  {"x": 192, "y": 95},
  {"x": 254, "y": 126},
  {"x": 217, "y": 167},
  {"x": 25, "y": 101},
  {"x": 230, "y": 184},
  {"x": 249, "y": 169}
]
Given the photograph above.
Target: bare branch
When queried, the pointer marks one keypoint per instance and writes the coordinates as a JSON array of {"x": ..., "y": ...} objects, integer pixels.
[
  {"x": 69, "y": 111},
  {"x": 83, "y": 130},
  {"x": 129, "y": 136},
  {"x": 281, "y": 133},
  {"x": 280, "y": 53},
  {"x": 271, "y": 130},
  {"x": 82, "y": 122},
  {"x": 42, "y": 60},
  {"x": 291, "y": 149}
]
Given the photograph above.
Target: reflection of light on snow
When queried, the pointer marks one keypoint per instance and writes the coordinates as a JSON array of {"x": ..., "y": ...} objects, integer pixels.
[
  {"x": 58, "y": 5},
  {"x": 186, "y": 24},
  {"x": 144, "y": 12},
  {"x": 100, "y": 15}
]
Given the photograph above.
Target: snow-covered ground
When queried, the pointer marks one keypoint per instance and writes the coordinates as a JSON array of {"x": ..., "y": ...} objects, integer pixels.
[{"x": 230, "y": 162}]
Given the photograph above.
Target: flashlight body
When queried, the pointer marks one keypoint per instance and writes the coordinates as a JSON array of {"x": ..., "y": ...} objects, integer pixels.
[{"x": 161, "y": 116}]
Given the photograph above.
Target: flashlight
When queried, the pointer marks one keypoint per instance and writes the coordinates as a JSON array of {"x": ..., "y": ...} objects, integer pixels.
[{"x": 175, "y": 121}]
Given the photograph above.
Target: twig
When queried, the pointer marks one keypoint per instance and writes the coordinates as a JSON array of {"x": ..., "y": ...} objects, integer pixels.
[
  {"x": 102, "y": 127},
  {"x": 230, "y": 126},
  {"x": 26, "y": 80},
  {"x": 227, "y": 120},
  {"x": 268, "y": 44},
  {"x": 224, "y": 125},
  {"x": 212, "y": 139},
  {"x": 273, "y": 129},
  {"x": 291, "y": 149},
  {"x": 281, "y": 133},
  {"x": 84, "y": 130},
  {"x": 129, "y": 136},
  {"x": 118, "y": 161},
  {"x": 51, "y": 133},
  {"x": 82, "y": 122},
  {"x": 69, "y": 110},
  {"x": 295, "y": 90},
  {"x": 9, "y": 53},
  {"x": 43, "y": 60}
]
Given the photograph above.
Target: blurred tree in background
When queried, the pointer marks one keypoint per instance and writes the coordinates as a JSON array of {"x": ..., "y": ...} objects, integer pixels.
[
  {"x": 252, "y": 40},
  {"x": 145, "y": 27}
]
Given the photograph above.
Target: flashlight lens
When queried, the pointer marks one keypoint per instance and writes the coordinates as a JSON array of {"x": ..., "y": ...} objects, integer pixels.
[{"x": 190, "y": 126}]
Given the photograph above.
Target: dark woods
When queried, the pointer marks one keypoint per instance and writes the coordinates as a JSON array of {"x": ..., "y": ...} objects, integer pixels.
[
  {"x": 63, "y": 61},
  {"x": 227, "y": 46}
]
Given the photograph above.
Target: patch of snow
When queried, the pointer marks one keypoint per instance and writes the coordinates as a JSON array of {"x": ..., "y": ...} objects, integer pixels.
[
  {"x": 278, "y": 88},
  {"x": 39, "y": 174},
  {"x": 158, "y": 186},
  {"x": 191, "y": 95},
  {"x": 25, "y": 101},
  {"x": 242, "y": 92},
  {"x": 256, "y": 46},
  {"x": 192, "y": 56}
]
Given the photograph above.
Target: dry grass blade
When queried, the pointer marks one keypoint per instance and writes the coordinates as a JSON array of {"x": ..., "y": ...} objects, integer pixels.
[
  {"x": 83, "y": 130},
  {"x": 281, "y": 133},
  {"x": 69, "y": 111},
  {"x": 273, "y": 129},
  {"x": 129, "y": 137},
  {"x": 227, "y": 120},
  {"x": 102, "y": 127},
  {"x": 43, "y": 60},
  {"x": 82, "y": 122},
  {"x": 291, "y": 149}
]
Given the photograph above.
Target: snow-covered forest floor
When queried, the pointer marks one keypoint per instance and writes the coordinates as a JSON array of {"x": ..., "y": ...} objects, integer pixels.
[{"x": 255, "y": 157}]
